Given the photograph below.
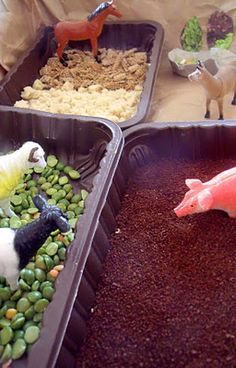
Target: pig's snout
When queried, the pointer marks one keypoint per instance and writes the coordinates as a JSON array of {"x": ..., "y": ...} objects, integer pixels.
[{"x": 180, "y": 211}]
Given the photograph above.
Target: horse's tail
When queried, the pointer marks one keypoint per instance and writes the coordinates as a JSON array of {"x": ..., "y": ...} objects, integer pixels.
[{"x": 49, "y": 43}]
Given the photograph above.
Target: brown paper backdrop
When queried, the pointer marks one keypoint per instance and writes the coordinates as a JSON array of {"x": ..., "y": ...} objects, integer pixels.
[{"x": 175, "y": 98}]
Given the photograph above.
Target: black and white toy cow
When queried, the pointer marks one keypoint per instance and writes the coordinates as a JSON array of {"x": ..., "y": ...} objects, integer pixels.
[{"x": 17, "y": 247}]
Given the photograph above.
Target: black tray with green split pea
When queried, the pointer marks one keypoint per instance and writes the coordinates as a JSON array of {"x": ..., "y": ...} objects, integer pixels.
[
  {"x": 92, "y": 147},
  {"x": 145, "y": 35}
]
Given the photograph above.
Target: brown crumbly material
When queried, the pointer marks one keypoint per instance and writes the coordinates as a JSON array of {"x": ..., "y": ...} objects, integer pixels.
[
  {"x": 109, "y": 89},
  {"x": 167, "y": 297},
  {"x": 117, "y": 69}
]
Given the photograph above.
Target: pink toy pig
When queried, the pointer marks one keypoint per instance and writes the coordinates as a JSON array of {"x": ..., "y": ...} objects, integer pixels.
[{"x": 218, "y": 193}]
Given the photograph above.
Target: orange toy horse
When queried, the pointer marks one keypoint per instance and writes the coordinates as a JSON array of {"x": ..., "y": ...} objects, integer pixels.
[{"x": 83, "y": 30}]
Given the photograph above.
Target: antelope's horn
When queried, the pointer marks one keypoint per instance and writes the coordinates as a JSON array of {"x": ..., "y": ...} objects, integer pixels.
[{"x": 199, "y": 63}]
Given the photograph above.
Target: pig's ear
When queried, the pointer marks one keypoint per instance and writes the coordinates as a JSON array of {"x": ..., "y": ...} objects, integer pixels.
[
  {"x": 205, "y": 200},
  {"x": 193, "y": 183}
]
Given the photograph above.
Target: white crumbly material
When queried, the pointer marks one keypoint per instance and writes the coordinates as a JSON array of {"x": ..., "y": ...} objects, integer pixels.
[{"x": 116, "y": 105}]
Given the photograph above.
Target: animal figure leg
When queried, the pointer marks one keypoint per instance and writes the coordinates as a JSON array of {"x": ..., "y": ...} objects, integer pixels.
[
  {"x": 65, "y": 56},
  {"x": 94, "y": 45},
  {"x": 12, "y": 280},
  {"x": 207, "y": 114},
  {"x": 234, "y": 99},
  {"x": 5, "y": 205},
  {"x": 220, "y": 107},
  {"x": 60, "y": 49}
]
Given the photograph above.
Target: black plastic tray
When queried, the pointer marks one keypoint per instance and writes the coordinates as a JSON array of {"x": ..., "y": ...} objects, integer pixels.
[
  {"x": 144, "y": 143},
  {"x": 144, "y": 35},
  {"x": 93, "y": 146}
]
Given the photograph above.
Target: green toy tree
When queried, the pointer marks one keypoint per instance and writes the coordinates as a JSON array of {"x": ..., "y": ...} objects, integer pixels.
[{"x": 191, "y": 36}]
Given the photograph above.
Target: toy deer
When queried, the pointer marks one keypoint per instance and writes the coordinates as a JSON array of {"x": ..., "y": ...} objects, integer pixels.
[
  {"x": 217, "y": 86},
  {"x": 83, "y": 30}
]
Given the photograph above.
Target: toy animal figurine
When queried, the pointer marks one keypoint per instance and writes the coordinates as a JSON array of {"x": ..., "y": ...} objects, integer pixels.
[
  {"x": 13, "y": 167},
  {"x": 17, "y": 247},
  {"x": 218, "y": 193},
  {"x": 217, "y": 86},
  {"x": 83, "y": 30}
]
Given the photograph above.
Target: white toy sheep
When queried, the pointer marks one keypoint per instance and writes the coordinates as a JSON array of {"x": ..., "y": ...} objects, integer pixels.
[
  {"x": 13, "y": 167},
  {"x": 17, "y": 247}
]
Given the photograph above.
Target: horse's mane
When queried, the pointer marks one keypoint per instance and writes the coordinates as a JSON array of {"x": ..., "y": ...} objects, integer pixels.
[{"x": 98, "y": 10}]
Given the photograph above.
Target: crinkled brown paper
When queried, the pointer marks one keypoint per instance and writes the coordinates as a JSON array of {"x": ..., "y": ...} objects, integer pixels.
[{"x": 175, "y": 98}]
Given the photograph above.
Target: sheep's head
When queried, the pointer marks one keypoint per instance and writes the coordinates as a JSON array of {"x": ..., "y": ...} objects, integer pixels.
[
  {"x": 34, "y": 154},
  {"x": 52, "y": 214}
]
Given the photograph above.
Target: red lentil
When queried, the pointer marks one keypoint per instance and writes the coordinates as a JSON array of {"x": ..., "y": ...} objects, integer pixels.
[{"x": 167, "y": 297}]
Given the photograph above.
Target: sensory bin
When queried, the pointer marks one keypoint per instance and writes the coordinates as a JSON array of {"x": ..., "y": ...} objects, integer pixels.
[
  {"x": 110, "y": 89},
  {"x": 88, "y": 166},
  {"x": 123, "y": 46},
  {"x": 165, "y": 288},
  {"x": 22, "y": 310},
  {"x": 165, "y": 293}
]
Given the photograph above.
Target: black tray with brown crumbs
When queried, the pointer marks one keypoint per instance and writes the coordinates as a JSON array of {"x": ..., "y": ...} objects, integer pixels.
[
  {"x": 122, "y": 80},
  {"x": 166, "y": 296}
]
